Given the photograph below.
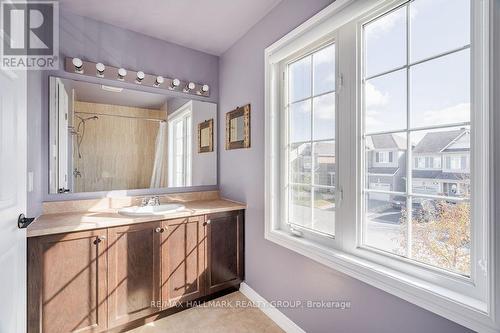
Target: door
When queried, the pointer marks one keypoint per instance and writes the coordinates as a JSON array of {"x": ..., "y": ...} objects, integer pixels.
[
  {"x": 134, "y": 272},
  {"x": 225, "y": 249},
  {"x": 13, "y": 160},
  {"x": 67, "y": 282},
  {"x": 183, "y": 260}
]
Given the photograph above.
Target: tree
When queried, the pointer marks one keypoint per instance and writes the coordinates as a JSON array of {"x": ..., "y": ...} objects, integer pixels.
[{"x": 440, "y": 234}]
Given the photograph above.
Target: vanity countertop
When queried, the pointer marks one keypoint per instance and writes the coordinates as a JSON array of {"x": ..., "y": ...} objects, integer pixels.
[{"x": 55, "y": 223}]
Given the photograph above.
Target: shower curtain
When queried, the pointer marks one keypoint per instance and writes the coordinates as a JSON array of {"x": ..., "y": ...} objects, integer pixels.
[{"x": 158, "y": 177}]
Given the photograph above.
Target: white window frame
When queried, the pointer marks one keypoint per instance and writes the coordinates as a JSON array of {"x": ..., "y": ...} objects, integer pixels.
[
  {"x": 469, "y": 302},
  {"x": 314, "y": 235},
  {"x": 185, "y": 115}
]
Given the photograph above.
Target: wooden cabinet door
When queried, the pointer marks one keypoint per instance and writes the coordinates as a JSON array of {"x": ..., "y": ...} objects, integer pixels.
[
  {"x": 133, "y": 272},
  {"x": 225, "y": 250},
  {"x": 183, "y": 260},
  {"x": 67, "y": 283}
]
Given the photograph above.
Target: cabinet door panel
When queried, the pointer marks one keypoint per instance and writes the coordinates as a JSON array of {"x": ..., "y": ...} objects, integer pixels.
[
  {"x": 225, "y": 250},
  {"x": 134, "y": 272},
  {"x": 66, "y": 283},
  {"x": 183, "y": 260}
]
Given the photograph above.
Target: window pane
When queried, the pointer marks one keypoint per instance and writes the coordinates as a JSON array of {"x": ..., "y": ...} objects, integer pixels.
[
  {"x": 300, "y": 163},
  {"x": 300, "y": 79},
  {"x": 438, "y": 26},
  {"x": 300, "y": 207},
  {"x": 324, "y": 210},
  {"x": 385, "y": 102},
  {"x": 385, "y": 227},
  {"x": 379, "y": 172},
  {"x": 440, "y": 91},
  {"x": 324, "y": 163},
  {"x": 441, "y": 234},
  {"x": 385, "y": 42},
  {"x": 324, "y": 70},
  {"x": 324, "y": 117},
  {"x": 300, "y": 121},
  {"x": 449, "y": 151}
]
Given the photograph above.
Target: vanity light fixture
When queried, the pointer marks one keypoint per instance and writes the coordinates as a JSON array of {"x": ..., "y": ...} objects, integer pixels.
[
  {"x": 133, "y": 76},
  {"x": 189, "y": 86},
  {"x": 78, "y": 63},
  {"x": 140, "y": 77},
  {"x": 159, "y": 81},
  {"x": 100, "y": 69},
  {"x": 122, "y": 72},
  {"x": 175, "y": 83}
]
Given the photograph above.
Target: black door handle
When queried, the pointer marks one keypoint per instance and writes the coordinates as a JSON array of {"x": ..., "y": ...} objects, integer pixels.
[{"x": 23, "y": 221}]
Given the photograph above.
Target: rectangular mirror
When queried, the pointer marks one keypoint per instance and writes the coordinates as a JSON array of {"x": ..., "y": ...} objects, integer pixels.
[{"x": 105, "y": 138}]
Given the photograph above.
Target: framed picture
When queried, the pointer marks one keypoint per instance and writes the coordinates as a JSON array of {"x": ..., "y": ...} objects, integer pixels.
[
  {"x": 206, "y": 136},
  {"x": 238, "y": 128}
]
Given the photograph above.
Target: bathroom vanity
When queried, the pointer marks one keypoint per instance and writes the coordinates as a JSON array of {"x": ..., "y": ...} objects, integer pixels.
[{"x": 91, "y": 269}]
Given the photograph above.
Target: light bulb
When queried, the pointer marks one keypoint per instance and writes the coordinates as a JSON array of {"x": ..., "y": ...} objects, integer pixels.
[
  {"x": 191, "y": 86},
  {"x": 78, "y": 63},
  {"x": 205, "y": 88},
  {"x": 140, "y": 76},
  {"x": 159, "y": 80},
  {"x": 100, "y": 69},
  {"x": 122, "y": 72},
  {"x": 175, "y": 83}
]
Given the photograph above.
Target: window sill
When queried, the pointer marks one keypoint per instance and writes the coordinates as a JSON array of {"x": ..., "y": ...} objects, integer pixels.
[{"x": 464, "y": 310}]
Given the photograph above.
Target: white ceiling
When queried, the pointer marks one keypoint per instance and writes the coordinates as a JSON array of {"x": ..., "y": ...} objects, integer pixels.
[{"x": 211, "y": 26}]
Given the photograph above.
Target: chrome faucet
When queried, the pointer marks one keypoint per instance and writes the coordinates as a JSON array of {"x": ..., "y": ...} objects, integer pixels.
[{"x": 151, "y": 201}]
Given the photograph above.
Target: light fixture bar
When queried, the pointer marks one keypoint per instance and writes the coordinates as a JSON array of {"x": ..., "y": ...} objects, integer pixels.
[{"x": 100, "y": 70}]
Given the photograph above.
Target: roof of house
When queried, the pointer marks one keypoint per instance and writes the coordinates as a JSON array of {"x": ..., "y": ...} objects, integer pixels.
[
  {"x": 436, "y": 142},
  {"x": 438, "y": 174},
  {"x": 383, "y": 171},
  {"x": 386, "y": 141}
]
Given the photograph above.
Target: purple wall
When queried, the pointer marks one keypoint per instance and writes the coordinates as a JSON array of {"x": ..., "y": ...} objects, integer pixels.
[
  {"x": 97, "y": 41},
  {"x": 273, "y": 271}
]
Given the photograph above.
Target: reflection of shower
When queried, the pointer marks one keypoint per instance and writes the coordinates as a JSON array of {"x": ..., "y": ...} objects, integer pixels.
[{"x": 80, "y": 131}]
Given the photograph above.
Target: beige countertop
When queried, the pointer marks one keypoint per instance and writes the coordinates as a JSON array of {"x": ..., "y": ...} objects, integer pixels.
[{"x": 55, "y": 223}]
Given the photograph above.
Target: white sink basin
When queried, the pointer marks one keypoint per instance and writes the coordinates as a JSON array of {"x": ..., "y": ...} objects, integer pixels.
[{"x": 151, "y": 210}]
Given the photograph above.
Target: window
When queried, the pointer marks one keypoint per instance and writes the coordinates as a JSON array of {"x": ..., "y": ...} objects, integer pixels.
[
  {"x": 384, "y": 157},
  {"x": 456, "y": 163},
  {"x": 432, "y": 229},
  {"x": 179, "y": 147},
  {"x": 310, "y": 109},
  {"x": 399, "y": 197}
]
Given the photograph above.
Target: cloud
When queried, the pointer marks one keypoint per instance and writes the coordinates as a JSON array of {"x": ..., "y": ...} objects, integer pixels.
[
  {"x": 449, "y": 115},
  {"x": 374, "y": 97},
  {"x": 381, "y": 26},
  {"x": 324, "y": 107}
]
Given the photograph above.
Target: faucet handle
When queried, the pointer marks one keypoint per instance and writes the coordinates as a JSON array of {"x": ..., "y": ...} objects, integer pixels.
[{"x": 144, "y": 201}]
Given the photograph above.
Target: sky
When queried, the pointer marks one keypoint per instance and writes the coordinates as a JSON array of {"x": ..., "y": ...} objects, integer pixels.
[{"x": 439, "y": 89}]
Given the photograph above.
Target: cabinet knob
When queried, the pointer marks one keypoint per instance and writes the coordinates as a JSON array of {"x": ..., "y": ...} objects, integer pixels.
[
  {"x": 159, "y": 230},
  {"x": 207, "y": 223},
  {"x": 99, "y": 239}
]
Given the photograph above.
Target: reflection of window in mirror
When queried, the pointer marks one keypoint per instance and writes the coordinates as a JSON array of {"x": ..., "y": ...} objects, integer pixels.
[
  {"x": 179, "y": 152},
  {"x": 238, "y": 128},
  {"x": 205, "y": 136}
]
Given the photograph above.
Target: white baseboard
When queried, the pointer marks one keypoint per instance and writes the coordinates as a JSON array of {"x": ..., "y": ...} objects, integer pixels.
[{"x": 276, "y": 315}]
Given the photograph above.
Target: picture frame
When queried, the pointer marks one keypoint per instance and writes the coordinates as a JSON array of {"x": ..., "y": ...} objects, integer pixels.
[
  {"x": 238, "y": 128},
  {"x": 206, "y": 136}
]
